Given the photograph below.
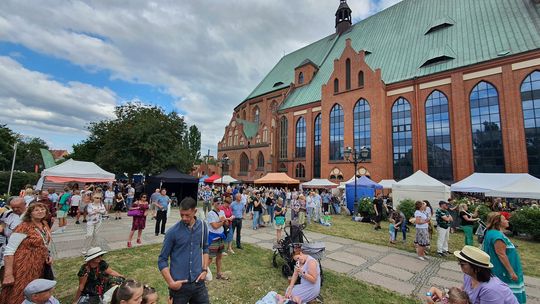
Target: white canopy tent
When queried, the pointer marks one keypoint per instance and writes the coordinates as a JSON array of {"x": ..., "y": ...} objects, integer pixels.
[
  {"x": 420, "y": 186},
  {"x": 226, "y": 180},
  {"x": 387, "y": 183},
  {"x": 351, "y": 180},
  {"x": 317, "y": 183},
  {"x": 527, "y": 186},
  {"x": 485, "y": 182},
  {"x": 74, "y": 171}
]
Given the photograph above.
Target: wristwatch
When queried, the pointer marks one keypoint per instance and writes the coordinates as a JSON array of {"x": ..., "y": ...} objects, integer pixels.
[{"x": 205, "y": 270}]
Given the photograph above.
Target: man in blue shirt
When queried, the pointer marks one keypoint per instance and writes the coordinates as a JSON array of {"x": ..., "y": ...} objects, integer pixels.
[
  {"x": 238, "y": 208},
  {"x": 186, "y": 246},
  {"x": 161, "y": 204}
]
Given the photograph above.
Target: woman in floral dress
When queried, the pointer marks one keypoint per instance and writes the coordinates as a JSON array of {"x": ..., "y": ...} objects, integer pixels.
[{"x": 139, "y": 221}]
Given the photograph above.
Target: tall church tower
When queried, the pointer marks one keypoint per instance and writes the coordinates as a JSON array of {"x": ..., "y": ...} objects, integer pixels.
[{"x": 343, "y": 17}]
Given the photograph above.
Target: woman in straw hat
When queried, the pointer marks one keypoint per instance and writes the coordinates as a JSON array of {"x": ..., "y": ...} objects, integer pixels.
[
  {"x": 95, "y": 277},
  {"x": 478, "y": 282}
]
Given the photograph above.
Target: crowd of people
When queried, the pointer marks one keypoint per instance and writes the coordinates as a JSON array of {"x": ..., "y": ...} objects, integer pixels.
[{"x": 492, "y": 272}]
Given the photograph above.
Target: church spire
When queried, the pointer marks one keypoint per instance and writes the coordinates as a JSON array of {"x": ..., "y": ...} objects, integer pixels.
[{"x": 343, "y": 17}]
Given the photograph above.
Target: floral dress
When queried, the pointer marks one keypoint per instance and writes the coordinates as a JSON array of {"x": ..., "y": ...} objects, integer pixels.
[
  {"x": 28, "y": 261},
  {"x": 139, "y": 221}
]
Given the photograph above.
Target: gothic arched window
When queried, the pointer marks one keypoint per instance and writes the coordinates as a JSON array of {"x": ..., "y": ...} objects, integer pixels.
[{"x": 439, "y": 145}]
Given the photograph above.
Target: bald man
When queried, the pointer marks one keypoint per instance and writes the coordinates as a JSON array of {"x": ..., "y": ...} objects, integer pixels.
[{"x": 9, "y": 219}]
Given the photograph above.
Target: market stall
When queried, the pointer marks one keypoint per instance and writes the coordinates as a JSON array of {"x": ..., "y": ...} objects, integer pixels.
[{"x": 420, "y": 186}]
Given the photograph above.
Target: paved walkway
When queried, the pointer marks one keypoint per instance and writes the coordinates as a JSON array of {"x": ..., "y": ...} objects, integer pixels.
[{"x": 394, "y": 269}]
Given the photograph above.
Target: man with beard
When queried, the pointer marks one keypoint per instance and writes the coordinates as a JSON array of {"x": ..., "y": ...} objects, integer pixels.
[{"x": 187, "y": 271}]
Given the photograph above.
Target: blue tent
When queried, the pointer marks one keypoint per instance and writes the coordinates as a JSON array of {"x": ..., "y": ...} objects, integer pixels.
[{"x": 365, "y": 187}]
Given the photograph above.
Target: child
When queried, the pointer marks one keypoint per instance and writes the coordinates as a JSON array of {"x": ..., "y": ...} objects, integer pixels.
[
  {"x": 150, "y": 295},
  {"x": 454, "y": 296},
  {"x": 75, "y": 201},
  {"x": 128, "y": 292},
  {"x": 392, "y": 230}
]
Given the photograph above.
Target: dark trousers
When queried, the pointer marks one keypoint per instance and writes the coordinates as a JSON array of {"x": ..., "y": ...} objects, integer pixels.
[
  {"x": 237, "y": 226},
  {"x": 161, "y": 218},
  {"x": 193, "y": 293}
]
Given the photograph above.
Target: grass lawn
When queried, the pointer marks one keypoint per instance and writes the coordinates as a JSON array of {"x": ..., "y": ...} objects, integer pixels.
[
  {"x": 253, "y": 276},
  {"x": 342, "y": 226}
]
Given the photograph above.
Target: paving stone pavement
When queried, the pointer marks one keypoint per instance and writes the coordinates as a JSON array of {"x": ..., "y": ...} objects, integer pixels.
[{"x": 391, "y": 268}]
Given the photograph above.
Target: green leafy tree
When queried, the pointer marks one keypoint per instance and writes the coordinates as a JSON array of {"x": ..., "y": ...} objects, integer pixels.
[
  {"x": 29, "y": 155},
  {"x": 7, "y": 139},
  {"x": 141, "y": 139},
  {"x": 194, "y": 140}
]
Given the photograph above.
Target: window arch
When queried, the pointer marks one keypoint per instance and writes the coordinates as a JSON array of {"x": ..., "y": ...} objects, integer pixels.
[
  {"x": 300, "y": 147},
  {"x": 336, "y": 85},
  {"x": 336, "y": 133},
  {"x": 260, "y": 161},
  {"x": 486, "y": 129},
  {"x": 300, "y": 171},
  {"x": 317, "y": 147},
  {"x": 244, "y": 114},
  {"x": 402, "y": 138},
  {"x": 438, "y": 141},
  {"x": 235, "y": 141},
  {"x": 244, "y": 164},
  {"x": 361, "y": 79},
  {"x": 530, "y": 101},
  {"x": 265, "y": 134},
  {"x": 348, "y": 74},
  {"x": 256, "y": 115},
  {"x": 283, "y": 132},
  {"x": 300, "y": 78},
  {"x": 362, "y": 126}
]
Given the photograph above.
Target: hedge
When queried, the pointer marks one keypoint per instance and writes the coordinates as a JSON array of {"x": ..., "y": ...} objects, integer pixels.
[
  {"x": 407, "y": 207},
  {"x": 20, "y": 179},
  {"x": 527, "y": 221}
]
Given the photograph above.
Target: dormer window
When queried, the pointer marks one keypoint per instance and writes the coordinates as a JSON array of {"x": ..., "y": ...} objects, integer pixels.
[
  {"x": 436, "y": 60},
  {"x": 439, "y": 24},
  {"x": 277, "y": 84},
  {"x": 336, "y": 86},
  {"x": 438, "y": 55},
  {"x": 301, "y": 78}
]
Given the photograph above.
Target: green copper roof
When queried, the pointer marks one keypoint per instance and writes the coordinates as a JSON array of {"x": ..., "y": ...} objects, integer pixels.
[
  {"x": 397, "y": 38},
  {"x": 250, "y": 128}
]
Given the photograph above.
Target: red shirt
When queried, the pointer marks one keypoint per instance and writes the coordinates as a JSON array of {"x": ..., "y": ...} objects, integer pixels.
[{"x": 227, "y": 211}]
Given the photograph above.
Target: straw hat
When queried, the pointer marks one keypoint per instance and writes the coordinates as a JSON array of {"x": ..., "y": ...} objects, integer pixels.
[
  {"x": 475, "y": 256},
  {"x": 93, "y": 253}
]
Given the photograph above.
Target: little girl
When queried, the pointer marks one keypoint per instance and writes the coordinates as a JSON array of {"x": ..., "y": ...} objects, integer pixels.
[
  {"x": 128, "y": 292},
  {"x": 454, "y": 296},
  {"x": 392, "y": 230},
  {"x": 150, "y": 295}
]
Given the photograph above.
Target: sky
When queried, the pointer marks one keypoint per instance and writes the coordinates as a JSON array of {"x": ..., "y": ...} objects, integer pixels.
[{"x": 64, "y": 64}]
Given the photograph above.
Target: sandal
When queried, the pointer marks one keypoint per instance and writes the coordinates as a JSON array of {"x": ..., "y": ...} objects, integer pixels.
[
  {"x": 220, "y": 276},
  {"x": 139, "y": 241},
  {"x": 129, "y": 245}
]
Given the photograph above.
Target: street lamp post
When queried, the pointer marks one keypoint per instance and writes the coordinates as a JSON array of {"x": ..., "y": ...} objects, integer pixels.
[
  {"x": 12, "y": 167},
  {"x": 351, "y": 155},
  {"x": 224, "y": 162}
]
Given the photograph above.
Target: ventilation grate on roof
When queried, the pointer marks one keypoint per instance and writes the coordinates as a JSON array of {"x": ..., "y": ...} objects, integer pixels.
[
  {"x": 440, "y": 24},
  {"x": 277, "y": 84},
  {"x": 436, "y": 60}
]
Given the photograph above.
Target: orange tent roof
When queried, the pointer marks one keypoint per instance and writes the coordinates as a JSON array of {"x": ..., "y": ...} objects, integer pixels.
[{"x": 276, "y": 178}]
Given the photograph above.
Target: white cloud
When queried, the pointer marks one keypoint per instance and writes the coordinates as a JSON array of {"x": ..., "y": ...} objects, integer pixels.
[
  {"x": 34, "y": 102},
  {"x": 207, "y": 54}
]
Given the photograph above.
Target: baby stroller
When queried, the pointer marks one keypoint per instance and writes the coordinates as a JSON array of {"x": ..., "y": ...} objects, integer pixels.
[
  {"x": 285, "y": 249},
  {"x": 480, "y": 231}
]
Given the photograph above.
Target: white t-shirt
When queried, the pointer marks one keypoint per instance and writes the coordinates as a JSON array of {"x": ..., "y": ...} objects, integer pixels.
[
  {"x": 212, "y": 217},
  {"x": 310, "y": 202},
  {"x": 109, "y": 195},
  {"x": 423, "y": 216},
  {"x": 131, "y": 192},
  {"x": 75, "y": 200}
]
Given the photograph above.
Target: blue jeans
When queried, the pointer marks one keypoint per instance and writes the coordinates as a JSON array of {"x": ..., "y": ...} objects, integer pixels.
[
  {"x": 270, "y": 210},
  {"x": 310, "y": 211},
  {"x": 195, "y": 293},
  {"x": 337, "y": 208},
  {"x": 256, "y": 215},
  {"x": 129, "y": 202}
]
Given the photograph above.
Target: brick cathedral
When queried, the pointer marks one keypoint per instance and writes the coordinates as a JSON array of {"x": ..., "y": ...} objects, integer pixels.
[{"x": 447, "y": 87}]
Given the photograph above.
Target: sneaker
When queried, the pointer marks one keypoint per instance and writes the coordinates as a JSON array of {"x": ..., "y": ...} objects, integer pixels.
[
  {"x": 224, "y": 254},
  {"x": 139, "y": 241},
  {"x": 421, "y": 258},
  {"x": 129, "y": 245},
  {"x": 157, "y": 234},
  {"x": 239, "y": 247},
  {"x": 77, "y": 222},
  {"x": 84, "y": 221}
]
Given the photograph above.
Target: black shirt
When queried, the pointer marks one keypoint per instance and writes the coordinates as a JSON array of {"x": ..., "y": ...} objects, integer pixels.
[
  {"x": 465, "y": 222},
  {"x": 269, "y": 201},
  {"x": 255, "y": 207}
]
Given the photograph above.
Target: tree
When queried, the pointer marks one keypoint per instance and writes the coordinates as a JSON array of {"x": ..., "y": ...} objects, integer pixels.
[
  {"x": 194, "y": 141},
  {"x": 141, "y": 139},
  {"x": 7, "y": 139},
  {"x": 28, "y": 153}
]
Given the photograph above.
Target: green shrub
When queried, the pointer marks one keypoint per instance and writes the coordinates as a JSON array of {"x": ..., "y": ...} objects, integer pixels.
[
  {"x": 20, "y": 179},
  {"x": 483, "y": 210},
  {"x": 526, "y": 220},
  {"x": 366, "y": 206},
  {"x": 407, "y": 207}
]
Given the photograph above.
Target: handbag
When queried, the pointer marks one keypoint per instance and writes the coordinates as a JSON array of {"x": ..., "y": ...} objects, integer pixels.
[
  {"x": 280, "y": 220},
  {"x": 266, "y": 218},
  {"x": 135, "y": 212}
]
